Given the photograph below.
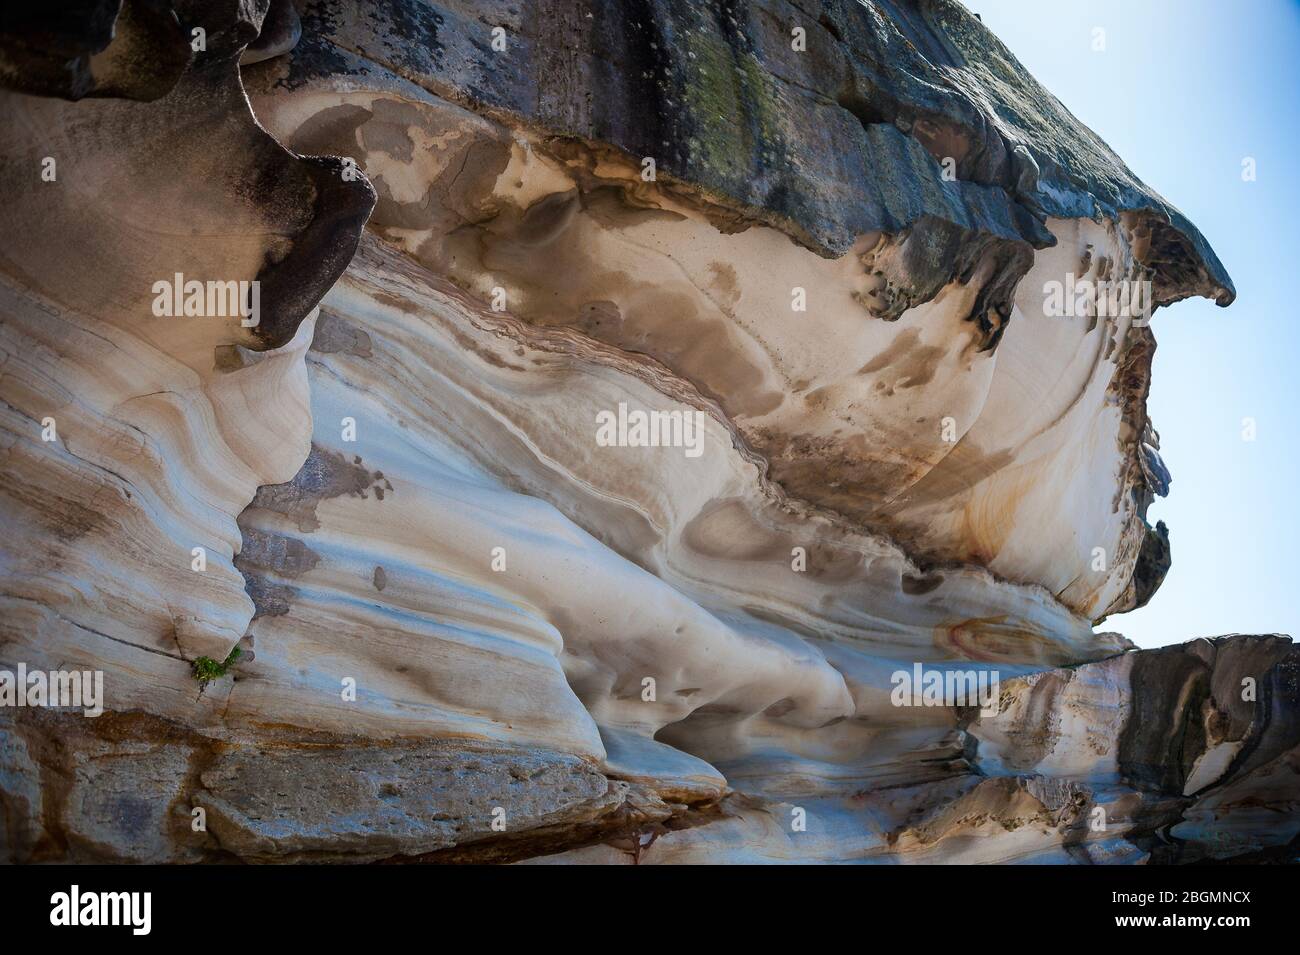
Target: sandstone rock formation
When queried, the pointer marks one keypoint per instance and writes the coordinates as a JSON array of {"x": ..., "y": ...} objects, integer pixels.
[{"x": 816, "y": 239}]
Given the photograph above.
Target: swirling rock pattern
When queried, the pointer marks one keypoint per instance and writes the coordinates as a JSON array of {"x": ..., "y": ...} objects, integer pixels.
[{"x": 470, "y": 629}]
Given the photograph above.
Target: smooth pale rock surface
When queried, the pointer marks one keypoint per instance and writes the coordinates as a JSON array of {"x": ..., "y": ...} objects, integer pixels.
[{"x": 470, "y": 629}]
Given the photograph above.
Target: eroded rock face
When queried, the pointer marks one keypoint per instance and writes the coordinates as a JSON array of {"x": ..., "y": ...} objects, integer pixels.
[{"x": 472, "y": 626}]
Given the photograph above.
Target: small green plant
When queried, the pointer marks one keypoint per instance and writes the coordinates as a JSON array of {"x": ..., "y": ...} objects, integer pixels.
[{"x": 206, "y": 669}]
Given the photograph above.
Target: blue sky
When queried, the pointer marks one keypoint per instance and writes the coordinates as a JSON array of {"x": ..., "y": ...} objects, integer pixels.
[{"x": 1184, "y": 90}]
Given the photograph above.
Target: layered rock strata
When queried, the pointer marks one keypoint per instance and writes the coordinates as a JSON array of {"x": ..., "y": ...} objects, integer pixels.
[{"x": 480, "y": 615}]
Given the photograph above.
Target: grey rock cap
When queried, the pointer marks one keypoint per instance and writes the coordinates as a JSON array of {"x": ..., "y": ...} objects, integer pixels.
[{"x": 844, "y": 138}]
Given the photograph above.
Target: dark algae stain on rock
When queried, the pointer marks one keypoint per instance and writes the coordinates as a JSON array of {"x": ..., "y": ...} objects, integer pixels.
[
  {"x": 325, "y": 474},
  {"x": 1164, "y": 734}
]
